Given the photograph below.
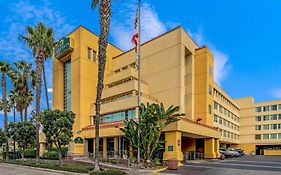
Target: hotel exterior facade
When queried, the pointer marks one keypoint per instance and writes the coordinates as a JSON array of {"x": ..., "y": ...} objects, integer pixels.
[{"x": 174, "y": 71}]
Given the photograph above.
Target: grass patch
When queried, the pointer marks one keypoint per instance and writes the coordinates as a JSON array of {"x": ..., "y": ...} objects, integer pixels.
[{"x": 65, "y": 167}]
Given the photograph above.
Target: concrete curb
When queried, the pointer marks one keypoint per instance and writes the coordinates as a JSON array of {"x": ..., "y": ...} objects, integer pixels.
[{"x": 45, "y": 169}]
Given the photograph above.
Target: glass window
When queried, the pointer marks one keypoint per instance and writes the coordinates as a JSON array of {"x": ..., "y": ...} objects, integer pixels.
[
  {"x": 257, "y": 136},
  {"x": 279, "y": 107},
  {"x": 210, "y": 90},
  {"x": 274, "y": 117},
  {"x": 279, "y": 136},
  {"x": 279, "y": 116},
  {"x": 220, "y": 108},
  {"x": 265, "y": 136},
  {"x": 258, "y": 118},
  {"x": 67, "y": 85},
  {"x": 224, "y": 122},
  {"x": 279, "y": 126},
  {"x": 216, "y": 105},
  {"x": 210, "y": 109},
  {"x": 273, "y": 126},
  {"x": 265, "y": 127},
  {"x": 89, "y": 53},
  {"x": 258, "y": 109},
  {"x": 266, "y": 108},
  {"x": 258, "y": 127},
  {"x": 94, "y": 55},
  {"x": 273, "y": 107},
  {"x": 215, "y": 118},
  {"x": 220, "y": 120},
  {"x": 273, "y": 136},
  {"x": 266, "y": 117},
  {"x": 210, "y": 70}
]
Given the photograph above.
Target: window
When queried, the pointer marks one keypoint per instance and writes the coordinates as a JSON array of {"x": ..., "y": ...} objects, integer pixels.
[
  {"x": 210, "y": 90},
  {"x": 273, "y": 136},
  {"x": 94, "y": 56},
  {"x": 265, "y": 136},
  {"x": 224, "y": 122},
  {"x": 265, "y": 127},
  {"x": 215, "y": 118},
  {"x": 221, "y": 109},
  {"x": 257, "y": 136},
  {"x": 210, "y": 109},
  {"x": 279, "y": 116},
  {"x": 224, "y": 133},
  {"x": 266, "y": 117},
  {"x": 119, "y": 116},
  {"x": 67, "y": 85},
  {"x": 273, "y": 107},
  {"x": 266, "y": 108},
  {"x": 279, "y": 107},
  {"x": 274, "y": 117},
  {"x": 89, "y": 53},
  {"x": 216, "y": 105},
  {"x": 273, "y": 126},
  {"x": 220, "y": 120},
  {"x": 258, "y": 118},
  {"x": 279, "y": 126},
  {"x": 258, "y": 127},
  {"x": 279, "y": 136},
  {"x": 210, "y": 70},
  {"x": 258, "y": 109}
]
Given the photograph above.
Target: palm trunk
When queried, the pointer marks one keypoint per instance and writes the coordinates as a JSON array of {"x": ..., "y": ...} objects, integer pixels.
[
  {"x": 39, "y": 66},
  {"x": 105, "y": 12},
  {"x": 21, "y": 117},
  {"x": 46, "y": 89},
  {"x": 25, "y": 114},
  {"x": 4, "y": 98}
]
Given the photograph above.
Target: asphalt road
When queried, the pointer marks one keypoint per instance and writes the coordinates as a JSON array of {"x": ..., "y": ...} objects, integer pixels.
[
  {"x": 7, "y": 169},
  {"x": 249, "y": 165}
]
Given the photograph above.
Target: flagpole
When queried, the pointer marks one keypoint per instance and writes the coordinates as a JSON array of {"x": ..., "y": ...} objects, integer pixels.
[{"x": 139, "y": 88}]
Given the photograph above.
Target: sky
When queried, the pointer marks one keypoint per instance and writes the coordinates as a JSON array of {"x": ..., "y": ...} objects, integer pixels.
[{"x": 244, "y": 36}]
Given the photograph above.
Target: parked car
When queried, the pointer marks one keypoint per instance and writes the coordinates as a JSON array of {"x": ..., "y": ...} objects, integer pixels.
[
  {"x": 240, "y": 151},
  {"x": 236, "y": 153},
  {"x": 227, "y": 152}
]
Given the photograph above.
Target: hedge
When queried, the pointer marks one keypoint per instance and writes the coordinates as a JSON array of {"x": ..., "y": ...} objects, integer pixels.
[{"x": 107, "y": 172}]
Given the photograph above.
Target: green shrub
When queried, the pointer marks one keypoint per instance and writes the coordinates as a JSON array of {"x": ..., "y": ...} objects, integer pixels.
[
  {"x": 51, "y": 155},
  {"x": 113, "y": 161},
  {"x": 63, "y": 151},
  {"x": 107, "y": 172},
  {"x": 29, "y": 153}
]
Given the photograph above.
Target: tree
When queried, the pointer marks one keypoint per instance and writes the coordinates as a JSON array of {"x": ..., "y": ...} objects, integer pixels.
[
  {"x": 40, "y": 39},
  {"x": 5, "y": 71},
  {"x": 104, "y": 13},
  {"x": 24, "y": 133},
  {"x": 154, "y": 119},
  {"x": 23, "y": 78},
  {"x": 2, "y": 137},
  {"x": 57, "y": 126}
]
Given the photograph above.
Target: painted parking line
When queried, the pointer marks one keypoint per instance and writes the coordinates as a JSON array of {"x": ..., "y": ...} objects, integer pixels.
[{"x": 250, "y": 161}]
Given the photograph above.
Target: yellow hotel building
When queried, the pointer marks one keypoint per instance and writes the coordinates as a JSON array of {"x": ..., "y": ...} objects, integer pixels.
[{"x": 174, "y": 71}]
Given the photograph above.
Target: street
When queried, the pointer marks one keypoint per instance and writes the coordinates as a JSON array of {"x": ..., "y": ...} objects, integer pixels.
[{"x": 250, "y": 165}]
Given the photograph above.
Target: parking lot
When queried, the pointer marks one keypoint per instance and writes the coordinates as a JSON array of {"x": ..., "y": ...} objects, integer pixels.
[{"x": 250, "y": 165}]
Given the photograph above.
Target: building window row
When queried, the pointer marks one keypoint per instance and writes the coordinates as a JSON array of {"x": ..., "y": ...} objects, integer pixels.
[
  {"x": 92, "y": 54},
  {"x": 119, "y": 82},
  {"x": 119, "y": 116},
  {"x": 226, "y": 112},
  {"x": 132, "y": 65},
  {"x": 117, "y": 97},
  {"x": 268, "y": 136},
  {"x": 268, "y": 127},
  {"x": 222, "y": 121},
  {"x": 268, "y": 117},
  {"x": 228, "y": 134},
  {"x": 268, "y": 108},
  {"x": 224, "y": 99}
]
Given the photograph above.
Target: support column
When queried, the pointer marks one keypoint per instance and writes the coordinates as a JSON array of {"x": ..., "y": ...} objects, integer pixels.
[
  {"x": 116, "y": 146},
  {"x": 217, "y": 147},
  {"x": 86, "y": 152},
  {"x": 104, "y": 148},
  {"x": 173, "y": 146},
  {"x": 209, "y": 148}
]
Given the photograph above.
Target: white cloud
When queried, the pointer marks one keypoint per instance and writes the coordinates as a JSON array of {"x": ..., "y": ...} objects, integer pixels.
[
  {"x": 123, "y": 22},
  {"x": 50, "y": 90},
  {"x": 222, "y": 67},
  {"x": 277, "y": 93}
]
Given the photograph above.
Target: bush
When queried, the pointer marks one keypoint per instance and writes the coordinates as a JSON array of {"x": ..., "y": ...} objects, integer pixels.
[
  {"x": 29, "y": 153},
  {"x": 107, "y": 172},
  {"x": 51, "y": 155},
  {"x": 113, "y": 161},
  {"x": 63, "y": 151}
]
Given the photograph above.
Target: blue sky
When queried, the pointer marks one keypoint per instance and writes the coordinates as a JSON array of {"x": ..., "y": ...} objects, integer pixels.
[{"x": 245, "y": 36}]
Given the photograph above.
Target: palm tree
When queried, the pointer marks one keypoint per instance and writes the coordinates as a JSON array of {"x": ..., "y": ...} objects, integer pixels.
[
  {"x": 40, "y": 39},
  {"x": 104, "y": 12},
  {"x": 5, "y": 71},
  {"x": 23, "y": 80}
]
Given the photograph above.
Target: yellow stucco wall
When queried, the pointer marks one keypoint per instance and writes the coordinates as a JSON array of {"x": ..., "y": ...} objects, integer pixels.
[{"x": 272, "y": 152}]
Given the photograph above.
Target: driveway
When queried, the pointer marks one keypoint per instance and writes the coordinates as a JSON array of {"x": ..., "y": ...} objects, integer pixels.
[
  {"x": 250, "y": 165},
  {"x": 8, "y": 169}
]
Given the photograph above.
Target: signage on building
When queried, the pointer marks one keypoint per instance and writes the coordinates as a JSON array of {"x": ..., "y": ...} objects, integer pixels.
[
  {"x": 63, "y": 47},
  {"x": 79, "y": 140}
]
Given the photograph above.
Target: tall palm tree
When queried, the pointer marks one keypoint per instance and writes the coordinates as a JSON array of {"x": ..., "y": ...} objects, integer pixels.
[
  {"x": 40, "y": 39},
  {"x": 23, "y": 80},
  {"x": 104, "y": 13},
  {"x": 5, "y": 71}
]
